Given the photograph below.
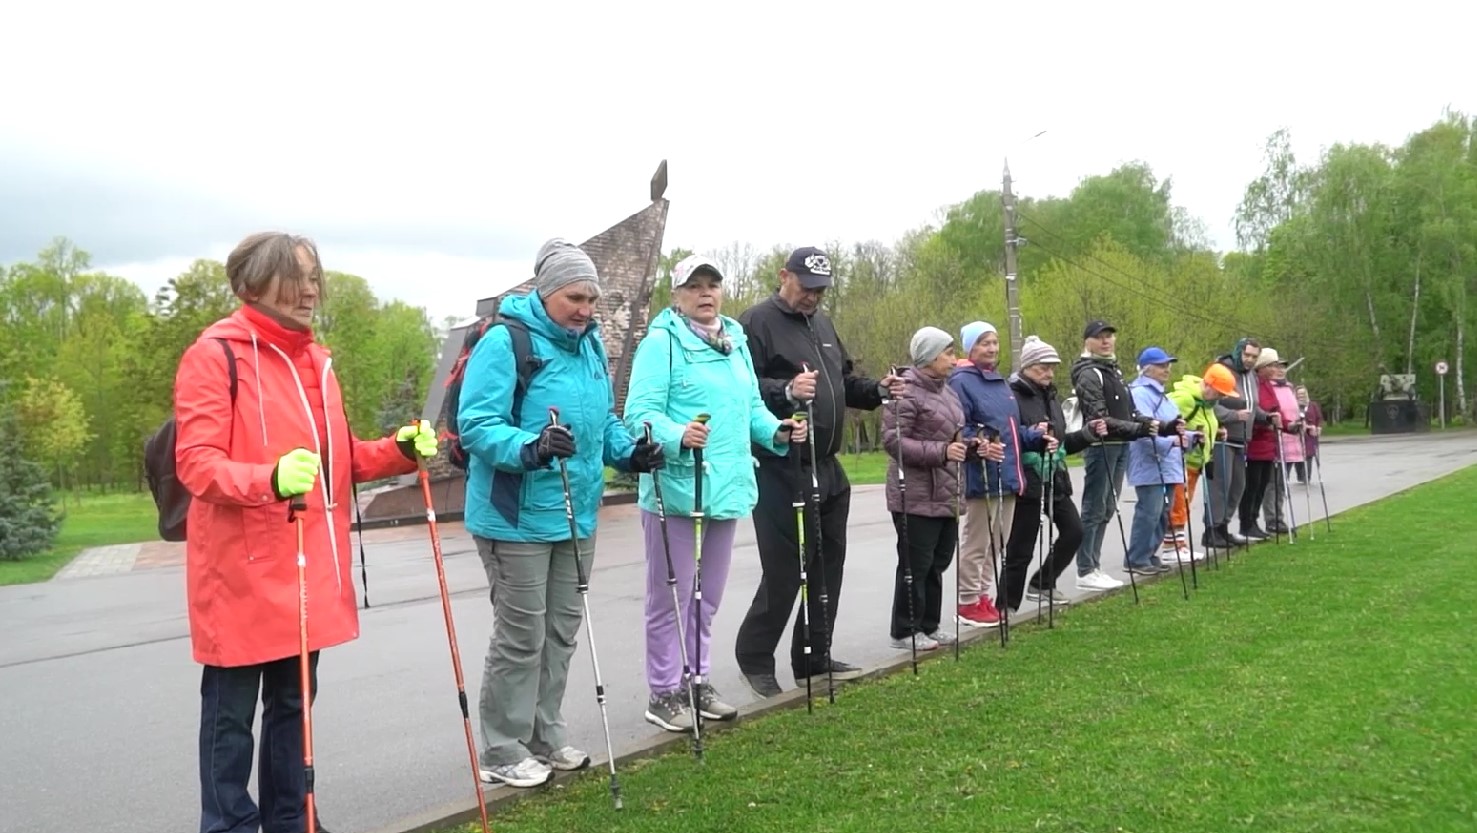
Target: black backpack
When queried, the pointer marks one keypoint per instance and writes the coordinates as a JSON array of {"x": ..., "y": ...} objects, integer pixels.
[
  {"x": 171, "y": 498},
  {"x": 526, "y": 362}
]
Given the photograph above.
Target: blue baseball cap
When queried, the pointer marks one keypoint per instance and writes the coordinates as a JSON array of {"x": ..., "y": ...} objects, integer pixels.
[
  {"x": 811, "y": 265},
  {"x": 1155, "y": 355}
]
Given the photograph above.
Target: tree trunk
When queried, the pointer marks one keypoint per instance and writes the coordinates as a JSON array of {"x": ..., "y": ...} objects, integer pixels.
[
  {"x": 1374, "y": 324},
  {"x": 1415, "y": 306},
  {"x": 1461, "y": 387}
]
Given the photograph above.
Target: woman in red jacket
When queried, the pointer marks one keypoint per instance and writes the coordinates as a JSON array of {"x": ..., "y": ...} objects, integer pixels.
[
  {"x": 284, "y": 433},
  {"x": 1261, "y": 451}
]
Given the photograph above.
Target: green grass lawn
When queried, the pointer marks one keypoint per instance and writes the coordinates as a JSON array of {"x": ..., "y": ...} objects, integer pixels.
[
  {"x": 1322, "y": 686},
  {"x": 91, "y": 521}
]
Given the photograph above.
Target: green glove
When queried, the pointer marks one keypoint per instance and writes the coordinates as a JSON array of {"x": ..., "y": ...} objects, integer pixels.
[
  {"x": 296, "y": 472},
  {"x": 419, "y": 437}
]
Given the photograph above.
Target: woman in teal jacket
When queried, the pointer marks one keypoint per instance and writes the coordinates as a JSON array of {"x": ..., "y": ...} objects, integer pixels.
[
  {"x": 515, "y": 506},
  {"x": 695, "y": 361}
]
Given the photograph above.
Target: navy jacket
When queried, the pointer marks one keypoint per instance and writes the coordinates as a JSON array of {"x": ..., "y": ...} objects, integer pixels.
[{"x": 988, "y": 401}]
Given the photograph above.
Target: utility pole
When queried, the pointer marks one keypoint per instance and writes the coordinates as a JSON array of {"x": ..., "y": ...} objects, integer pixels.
[{"x": 1012, "y": 287}]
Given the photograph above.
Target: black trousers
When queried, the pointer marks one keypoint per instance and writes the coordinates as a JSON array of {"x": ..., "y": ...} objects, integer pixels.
[
  {"x": 227, "y": 710},
  {"x": 777, "y": 535},
  {"x": 926, "y": 550},
  {"x": 1259, "y": 477},
  {"x": 1020, "y": 550}
]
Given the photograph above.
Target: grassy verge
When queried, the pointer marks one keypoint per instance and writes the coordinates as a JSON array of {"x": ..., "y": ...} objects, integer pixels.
[
  {"x": 91, "y": 521},
  {"x": 1324, "y": 686}
]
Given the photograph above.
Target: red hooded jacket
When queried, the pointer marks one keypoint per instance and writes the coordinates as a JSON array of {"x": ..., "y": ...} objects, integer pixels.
[
  {"x": 1263, "y": 445},
  {"x": 241, "y": 552}
]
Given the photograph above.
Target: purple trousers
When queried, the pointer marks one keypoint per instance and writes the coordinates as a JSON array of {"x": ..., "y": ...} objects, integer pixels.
[{"x": 663, "y": 657}]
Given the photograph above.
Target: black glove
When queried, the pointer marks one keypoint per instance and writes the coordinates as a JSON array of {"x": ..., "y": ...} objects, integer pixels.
[
  {"x": 553, "y": 441},
  {"x": 1209, "y": 469},
  {"x": 647, "y": 457}
]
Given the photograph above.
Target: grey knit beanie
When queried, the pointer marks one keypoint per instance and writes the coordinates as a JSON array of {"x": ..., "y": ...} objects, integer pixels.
[
  {"x": 559, "y": 264},
  {"x": 927, "y": 344},
  {"x": 1036, "y": 351}
]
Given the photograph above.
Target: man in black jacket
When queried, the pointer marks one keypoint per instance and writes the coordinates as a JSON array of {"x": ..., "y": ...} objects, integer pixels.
[
  {"x": 1226, "y": 481},
  {"x": 1102, "y": 394},
  {"x": 799, "y": 359}
]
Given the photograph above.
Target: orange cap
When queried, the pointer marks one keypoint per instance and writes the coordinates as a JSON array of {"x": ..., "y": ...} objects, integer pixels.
[{"x": 1220, "y": 379}]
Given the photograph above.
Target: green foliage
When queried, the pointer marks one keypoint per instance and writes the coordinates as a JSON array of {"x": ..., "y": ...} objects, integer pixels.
[
  {"x": 114, "y": 354},
  {"x": 28, "y": 518}
]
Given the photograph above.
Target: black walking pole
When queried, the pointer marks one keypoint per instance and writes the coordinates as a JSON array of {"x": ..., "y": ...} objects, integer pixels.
[
  {"x": 695, "y": 683},
  {"x": 798, "y": 503},
  {"x": 996, "y": 537},
  {"x": 820, "y": 546},
  {"x": 1045, "y": 581},
  {"x": 904, "y": 545}
]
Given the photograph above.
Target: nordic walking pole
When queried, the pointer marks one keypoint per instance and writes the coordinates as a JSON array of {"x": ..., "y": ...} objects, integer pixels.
[
  {"x": 904, "y": 545},
  {"x": 798, "y": 504},
  {"x": 1189, "y": 521},
  {"x": 994, "y": 529},
  {"x": 820, "y": 548},
  {"x": 1165, "y": 490},
  {"x": 1277, "y": 483},
  {"x": 1327, "y": 521},
  {"x": 958, "y": 536},
  {"x": 1307, "y": 474},
  {"x": 1048, "y": 581},
  {"x": 295, "y": 508},
  {"x": 584, "y": 590},
  {"x": 1123, "y": 537},
  {"x": 695, "y": 683},
  {"x": 456, "y": 656},
  {"x": 661, "y": 519},
  {"x": 1292, "y": 514}
]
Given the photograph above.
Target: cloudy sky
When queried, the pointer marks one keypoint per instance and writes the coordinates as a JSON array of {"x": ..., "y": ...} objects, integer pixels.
[{"x": 431, "y": 148}]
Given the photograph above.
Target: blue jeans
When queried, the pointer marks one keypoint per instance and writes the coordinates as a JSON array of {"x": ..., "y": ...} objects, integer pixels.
[
  {"x": 1150, "y": 519},
  {"x": 227, "y": 709},
  {"x": 1103, "y": 464}
]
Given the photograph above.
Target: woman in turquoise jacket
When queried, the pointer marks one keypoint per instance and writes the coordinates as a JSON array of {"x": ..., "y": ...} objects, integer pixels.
[
  {"x": 515, "y": 506},
  {"x": 694, "y": 361}
]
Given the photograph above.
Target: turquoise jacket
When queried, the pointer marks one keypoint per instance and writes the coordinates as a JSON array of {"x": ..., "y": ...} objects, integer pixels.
[
  {"x": 669, "y": 387},
  {"x": 510, "y": 497}
]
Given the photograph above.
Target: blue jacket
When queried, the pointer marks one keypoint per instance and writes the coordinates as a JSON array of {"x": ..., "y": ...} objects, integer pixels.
[
  {"x": 1143, "y": 468},
  {"x": 988, "y": 401},
  {"x": 675, "y": 376},
  {"x": 510, "y": 497}
]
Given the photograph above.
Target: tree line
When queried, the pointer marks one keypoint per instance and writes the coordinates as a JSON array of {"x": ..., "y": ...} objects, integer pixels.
[
  {"x": 88, "y": 361},
  {"x": 1360, "y": 262}
]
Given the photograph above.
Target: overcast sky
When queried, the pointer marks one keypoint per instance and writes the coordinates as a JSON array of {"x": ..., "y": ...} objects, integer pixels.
[{"x": 431, "y": 151}]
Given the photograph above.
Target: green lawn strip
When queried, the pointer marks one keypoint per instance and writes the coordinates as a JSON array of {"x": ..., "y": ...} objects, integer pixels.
[
  {"x": 92, "y": 521},
  {"x": 1321, "y": 686}
]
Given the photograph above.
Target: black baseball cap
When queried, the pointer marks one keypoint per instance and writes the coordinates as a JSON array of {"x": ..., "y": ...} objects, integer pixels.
[
  {"x": 1097, "y": 328},
  {"x": 811, "y": 266}
]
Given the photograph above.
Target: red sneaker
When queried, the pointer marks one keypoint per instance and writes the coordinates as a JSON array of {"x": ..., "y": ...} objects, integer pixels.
[{"x": 981, "y": 614}]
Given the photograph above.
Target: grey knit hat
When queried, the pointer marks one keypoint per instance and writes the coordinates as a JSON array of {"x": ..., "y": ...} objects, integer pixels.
[
  {"x": 559, "y": 264},
  {"x": 927, "y": 344},
  {"x": 1036, "y": 351}
]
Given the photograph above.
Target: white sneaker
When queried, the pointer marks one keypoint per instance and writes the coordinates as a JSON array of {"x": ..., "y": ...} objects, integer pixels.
[
  {"x": 924, "y": 643},
  {"x": 942, "y": 637},
  {"x": 524, "y": 774},
  {"x": 1098, "y": 580},
  {"x": 566, "y": 759}
]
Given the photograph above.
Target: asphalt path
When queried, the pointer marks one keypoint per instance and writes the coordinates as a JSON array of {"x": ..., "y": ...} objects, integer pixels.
[{"x": 98, "y": 728}]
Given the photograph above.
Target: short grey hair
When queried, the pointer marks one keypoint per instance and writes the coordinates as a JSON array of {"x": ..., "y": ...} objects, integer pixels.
[{"x": 259, "y": 258}]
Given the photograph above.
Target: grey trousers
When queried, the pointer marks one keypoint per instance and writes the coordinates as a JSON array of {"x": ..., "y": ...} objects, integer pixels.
[
  {"x": 1274, "y": 505},
  {"x": 536, "y": 616},
  {"x": 1228, "y": 484}
]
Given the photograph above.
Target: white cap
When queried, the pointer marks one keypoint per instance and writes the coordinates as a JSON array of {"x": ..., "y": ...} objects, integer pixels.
[{"x": 683, "y": 271}]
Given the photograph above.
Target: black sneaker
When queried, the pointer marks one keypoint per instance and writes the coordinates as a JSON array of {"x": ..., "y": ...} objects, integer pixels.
[
  {"x": 839, "y": 671},
  {"x": 764, "y": 686}
]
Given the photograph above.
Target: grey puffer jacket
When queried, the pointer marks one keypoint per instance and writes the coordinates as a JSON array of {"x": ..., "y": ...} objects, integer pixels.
[{"x": 930, "y": 417}]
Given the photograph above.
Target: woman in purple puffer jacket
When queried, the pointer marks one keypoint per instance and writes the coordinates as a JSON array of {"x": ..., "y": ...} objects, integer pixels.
[{"x": 922, "y": 430}]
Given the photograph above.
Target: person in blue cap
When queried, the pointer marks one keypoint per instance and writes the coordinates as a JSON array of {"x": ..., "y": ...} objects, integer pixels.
[{"x": 1155, "y": 462}]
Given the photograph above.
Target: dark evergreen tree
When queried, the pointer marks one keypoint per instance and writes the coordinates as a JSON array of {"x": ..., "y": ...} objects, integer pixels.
[{"x": 28, "y": 519}]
